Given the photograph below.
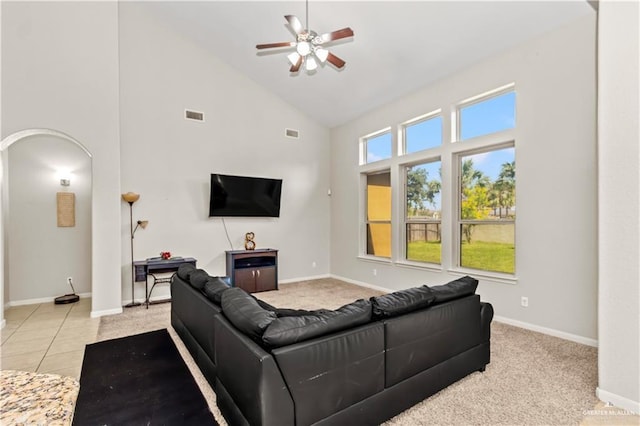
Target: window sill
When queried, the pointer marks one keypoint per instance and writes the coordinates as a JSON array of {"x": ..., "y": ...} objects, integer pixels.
[
  {"x": 375, "y": 259},
  {"x": 419, "y": 265},
  {"x": 485, "y": 275}
]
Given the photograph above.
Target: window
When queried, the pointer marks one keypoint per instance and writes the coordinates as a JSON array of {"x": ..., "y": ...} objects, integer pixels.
[
  {"x": 423, "y": 212},
  {"x": 487, "y": 210},
  {"x": 487, "y": 116},
  {"x": 378, "y": 220},
  {"x": 377, "y": 147},
  {"x": 419, "y": 170},
  {"x": 422, "y": 134}
]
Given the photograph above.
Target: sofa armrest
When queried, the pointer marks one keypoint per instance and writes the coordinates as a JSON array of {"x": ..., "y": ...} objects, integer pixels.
[{"x": 486, "y": 315}]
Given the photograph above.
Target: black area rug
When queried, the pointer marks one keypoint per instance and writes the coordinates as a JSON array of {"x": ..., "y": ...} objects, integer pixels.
[{"x": 138, "y": 380}]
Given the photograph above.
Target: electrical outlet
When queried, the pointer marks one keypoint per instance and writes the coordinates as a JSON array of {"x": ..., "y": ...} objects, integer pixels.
[
  {"x": 524, "y": 301},
  {"x": 375, "y": 272}
]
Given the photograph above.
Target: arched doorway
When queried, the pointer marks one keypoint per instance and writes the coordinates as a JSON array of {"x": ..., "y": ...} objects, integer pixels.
[{"x": 37, "y": 254}]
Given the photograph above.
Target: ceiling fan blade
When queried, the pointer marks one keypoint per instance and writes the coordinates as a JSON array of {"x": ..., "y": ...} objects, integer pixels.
[
  {"x": 337, "y": 35},
  {"x": 333, "y": 59},
  {"x": 295, "y": 23},
  {"x": 296, "y": 67},
  {"x": 271, "y": 45}
]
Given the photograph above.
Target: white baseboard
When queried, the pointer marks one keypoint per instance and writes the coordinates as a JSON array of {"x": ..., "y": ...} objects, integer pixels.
[
  {"x": 633, "y": 407},
  {"x": 38, "y": 300},
  {"x": 295, "y": 280},
  {"x": 549, "y": 331},
  {"x": 544, "y": 330},
  {"x": 361, "y": 283},
  {"x": 98, "y": 314}
]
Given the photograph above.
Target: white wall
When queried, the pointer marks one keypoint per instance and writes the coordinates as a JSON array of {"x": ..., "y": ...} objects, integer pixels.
[
  {"x": 556, "y": 230},
  {"x": 60, "y": 71},
  {"x": 34, "y": 237},
  {"x": 619, "y": 204},
  {"x": 168, "y": 160}
]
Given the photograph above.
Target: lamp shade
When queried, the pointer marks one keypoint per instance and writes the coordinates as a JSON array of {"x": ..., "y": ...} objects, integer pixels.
[
  {"x": 311, "y": 64},
  {"x": 143, "y": 223},
  {"x": 130, "y": 197},
  {"x": 322, "y": 54},
  {"x": 303, "y": 48}
]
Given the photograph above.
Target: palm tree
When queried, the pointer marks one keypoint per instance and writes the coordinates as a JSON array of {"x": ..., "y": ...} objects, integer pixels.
[{"x": 506, "y": 185}]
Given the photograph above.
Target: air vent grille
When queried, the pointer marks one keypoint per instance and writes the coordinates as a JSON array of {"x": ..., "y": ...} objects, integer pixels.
[
  {"x": 292, "y": 133},
  {"x": 193, "y": 115}
]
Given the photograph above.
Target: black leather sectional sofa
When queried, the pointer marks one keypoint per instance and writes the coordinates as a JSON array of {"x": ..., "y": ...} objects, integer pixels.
[{"x": 360, "y": 364}]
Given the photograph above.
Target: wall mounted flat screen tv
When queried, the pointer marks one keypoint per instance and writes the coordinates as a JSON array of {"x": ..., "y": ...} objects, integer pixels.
[{"x": 244, "y": 196}]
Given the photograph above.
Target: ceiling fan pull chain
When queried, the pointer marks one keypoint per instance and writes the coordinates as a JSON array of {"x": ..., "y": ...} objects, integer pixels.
[{"x": 307, "y": 4}]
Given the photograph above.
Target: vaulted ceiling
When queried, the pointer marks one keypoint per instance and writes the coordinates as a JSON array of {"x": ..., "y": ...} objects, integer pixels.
[{"x": 398, "y": 46}]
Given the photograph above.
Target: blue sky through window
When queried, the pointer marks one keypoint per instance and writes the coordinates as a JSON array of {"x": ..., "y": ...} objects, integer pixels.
[
  {"x": 489, "y": 116},
  {"x": 491, "y": 162},
  {"x": 423, "y": 135},
  {"x": 379, "y": 147}
]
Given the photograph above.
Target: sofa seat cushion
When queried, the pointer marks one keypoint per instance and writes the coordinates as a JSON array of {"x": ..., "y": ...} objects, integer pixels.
[
  {"x": 244, "y": 313},
  {"x": 185, "y": 270},
  {"x": 401, "y": 302},
  {"x": 213, "y": 289},
  {"x": 456, "y": 289},
  {"x": 292, "y": 329}
]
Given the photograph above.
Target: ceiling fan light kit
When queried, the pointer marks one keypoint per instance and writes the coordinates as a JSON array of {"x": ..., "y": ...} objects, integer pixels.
[{"x": 309, "y": 46}]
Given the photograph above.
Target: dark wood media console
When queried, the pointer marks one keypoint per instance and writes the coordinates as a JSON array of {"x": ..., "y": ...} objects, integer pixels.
[{"x": 253, "y": 270}]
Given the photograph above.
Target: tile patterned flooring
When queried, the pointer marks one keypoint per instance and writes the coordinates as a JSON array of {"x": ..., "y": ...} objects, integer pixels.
[{"x": 47, "y": 338}]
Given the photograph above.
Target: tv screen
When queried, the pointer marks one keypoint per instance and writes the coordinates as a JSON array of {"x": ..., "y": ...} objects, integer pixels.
[{"x": 244, "y": 196}]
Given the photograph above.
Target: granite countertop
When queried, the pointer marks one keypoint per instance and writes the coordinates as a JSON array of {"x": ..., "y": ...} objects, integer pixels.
[{"x": 28, "y": 398}]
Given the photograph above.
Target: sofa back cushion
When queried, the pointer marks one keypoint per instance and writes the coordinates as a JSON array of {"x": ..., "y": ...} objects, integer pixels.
[
  {"x": 191, "y": 311},
  {"x": 185, "y": 270},
  {"x": 402, "y": 302},
  {"x": 198, "y": 278},
  {"x": 213, "y": 289},
  {"x": 455, "y": 289},
  {"x": 244, "y": 313},
  {"x": 423, "y": 339},
  {"x": 330, "y": 373},
  {"x": 287, "y": 330}
]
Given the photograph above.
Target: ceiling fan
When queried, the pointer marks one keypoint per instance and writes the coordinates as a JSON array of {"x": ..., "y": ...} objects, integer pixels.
[{"x": 309, "y": 45}]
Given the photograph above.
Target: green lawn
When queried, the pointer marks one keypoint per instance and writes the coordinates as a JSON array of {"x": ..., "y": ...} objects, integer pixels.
[
  {"x": 424, "y": 251},
  {"x": 498, "y": 257}
]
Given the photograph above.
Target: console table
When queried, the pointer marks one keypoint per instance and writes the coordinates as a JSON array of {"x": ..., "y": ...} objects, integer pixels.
[
  {"x": 150, "y": 267},
  {"x": 253, "y": 270}
]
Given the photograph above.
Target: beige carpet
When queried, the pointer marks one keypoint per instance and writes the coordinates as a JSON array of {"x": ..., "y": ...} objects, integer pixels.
[{"x": 533, "y": 379}]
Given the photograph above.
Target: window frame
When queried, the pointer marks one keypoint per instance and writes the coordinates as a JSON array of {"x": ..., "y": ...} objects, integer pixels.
[
  {"x": 365, "y": 217},
  {"x": 474, "y": 100},
  {"x": 448, "y": 153},
  {"x": 457, "y": 208},
  {"x": 402, "y": 146},
  {"x": 364, "y": 151},
  {"x": 407, "y": 220}
]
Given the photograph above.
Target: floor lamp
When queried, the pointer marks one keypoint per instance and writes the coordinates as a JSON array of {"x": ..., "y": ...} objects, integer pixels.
[{"x": 132, "y": 197}]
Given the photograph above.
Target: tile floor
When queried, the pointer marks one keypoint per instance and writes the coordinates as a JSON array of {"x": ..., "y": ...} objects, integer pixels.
[{"x": 47, "y": 338}]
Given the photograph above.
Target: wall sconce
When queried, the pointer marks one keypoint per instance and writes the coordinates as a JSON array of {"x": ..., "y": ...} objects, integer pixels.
[{"x": 65, "y": 177}]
